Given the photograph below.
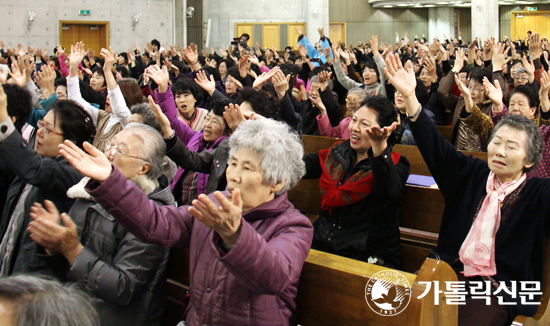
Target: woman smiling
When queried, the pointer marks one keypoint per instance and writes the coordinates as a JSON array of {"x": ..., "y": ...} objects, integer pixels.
[{"x": 247, "y": 245}]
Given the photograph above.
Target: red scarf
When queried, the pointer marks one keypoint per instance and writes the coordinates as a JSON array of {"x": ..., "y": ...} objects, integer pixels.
[{"x": 357, "y": 187}]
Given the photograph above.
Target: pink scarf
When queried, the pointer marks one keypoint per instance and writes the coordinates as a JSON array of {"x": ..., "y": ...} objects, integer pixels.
[{"x": 478, "y": 249}]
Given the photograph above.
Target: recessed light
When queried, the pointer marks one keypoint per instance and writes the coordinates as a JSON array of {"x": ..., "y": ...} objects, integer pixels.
[
  {"x": 429, "y": 6},
  {"x": 388, "y": 6},
  {"x": 403, "y": 5},
  {"x": 444, "y": 3}
]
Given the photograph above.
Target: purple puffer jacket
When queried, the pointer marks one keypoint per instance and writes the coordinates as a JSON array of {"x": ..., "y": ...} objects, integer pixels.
[
  {"x": 194, "y": 140},
  {"x": 255, "y": 283}
]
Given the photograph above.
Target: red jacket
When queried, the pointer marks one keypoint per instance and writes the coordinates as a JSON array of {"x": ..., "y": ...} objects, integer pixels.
[{"x": 255, "y": 283}]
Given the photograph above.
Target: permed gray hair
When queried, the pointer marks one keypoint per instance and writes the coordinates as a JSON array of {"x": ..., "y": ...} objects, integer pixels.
[
  {"x": 535, "y": 144},
  {"x": 280, "y": 150},
  {"x": 147, "y": 116},
  {"x": 153, "y": 149},
  {"x": 44, "y": 302}
]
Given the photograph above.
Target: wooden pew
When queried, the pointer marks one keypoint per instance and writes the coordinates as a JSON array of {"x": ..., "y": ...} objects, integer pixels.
[
  {"x": 332, "y": 292},
  {"x": 446, "y": 131},
  {"x": 542, "y": 317}
]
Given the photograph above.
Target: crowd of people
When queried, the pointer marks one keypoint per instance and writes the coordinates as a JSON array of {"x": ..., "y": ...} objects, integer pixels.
[{"x": 108, "y": 161}]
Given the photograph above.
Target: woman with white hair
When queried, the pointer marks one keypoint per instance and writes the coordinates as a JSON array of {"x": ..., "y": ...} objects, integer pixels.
[
  {"x": 247, "y": 244},
  {"x": 125, "y": 275},
  {"x": 496, "y": 220}
]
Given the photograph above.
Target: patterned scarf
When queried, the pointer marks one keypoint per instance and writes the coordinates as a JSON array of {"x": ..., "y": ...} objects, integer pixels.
[
  {"x": 354, "y": 189},
  {"x": 478, "y": 249}
]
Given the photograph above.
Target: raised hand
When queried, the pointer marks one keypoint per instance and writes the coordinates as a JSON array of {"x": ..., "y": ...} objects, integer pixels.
[
  {"x": 263, "y": 78},
  {"x": 18, "y": 76},
  {"x": 161, "y": 118},
  {"x": 159, "y": 76},
  {"x": 46, "y": 80},
  {"x": 324, "y": 77},
  {"x": 76, "y": 57},
  {"x": 488, "y": 49},
  {"x": 535, "y": 46},
  {"x": 26, "y": 64},
  {"x": 281, "y": 83},
  {"x": 379, "y": 136},
  {"x": 429, "y": 65},
  {"x": 254, "y": 60},
  {"x": 459, "y": 60},
  {"x": 529, "y": 66},
  {"x": 466, "y": 94},
  {"x": 191, "y": 55},
  {"x": 109, "y": 57},
  {"x": 318, "y": 103},
  {"x": 233, "y": 116},
  {"x": 298, "y": 31},
  {"x": 403, "y": 79},
  {"x": 499, "y": 55},
  {"x": 94, "y": 164},
  {"x": 543, "y": 92},
  {"x": 344, "y": 55},
  {"x": 223, "y": 53},
  {"x": 209, "y": 85},
  {"x": 494, "y": 93},
  {"x": 224, "y": 218}
]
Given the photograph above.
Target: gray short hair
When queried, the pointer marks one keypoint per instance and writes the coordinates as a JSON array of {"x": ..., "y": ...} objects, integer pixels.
[
  {"x": 521, "y": 70},
  {"x": 153, "y": 149},
  {"x": 279, "y": 148},
  {"x": 45, "y": 302},
  {"x": 359, "y": 92},
  {"x": 147, "y": 116},
  {"x": 535, "y": 144}
]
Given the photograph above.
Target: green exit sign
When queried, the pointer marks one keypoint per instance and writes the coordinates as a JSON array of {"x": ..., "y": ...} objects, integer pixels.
[
  {"x": 84, "y": 13},
  {"x": 531, "y": 8}
]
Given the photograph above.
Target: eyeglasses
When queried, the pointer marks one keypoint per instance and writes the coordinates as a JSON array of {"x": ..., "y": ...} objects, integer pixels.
[
  {"x": 369, "y": 71},
  {"x": 118, "y": 150},
  {"x": 47, "y": 128},
  {"x": 522, "y": 79}
]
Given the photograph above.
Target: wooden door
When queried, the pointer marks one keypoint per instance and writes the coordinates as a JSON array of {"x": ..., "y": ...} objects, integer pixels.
[
  {"x": 95, "y": 35},
  {"x": 337, "y": 32},
  {"x": 293, "y": 35},
  {"x": 270, "y": 36},
  {"x": 240, "y": 29},
  {"x": 537, "y": 22}
]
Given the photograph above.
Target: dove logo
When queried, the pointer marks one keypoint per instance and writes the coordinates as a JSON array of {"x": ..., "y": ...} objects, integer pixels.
[{"x": 388, "y": 293}]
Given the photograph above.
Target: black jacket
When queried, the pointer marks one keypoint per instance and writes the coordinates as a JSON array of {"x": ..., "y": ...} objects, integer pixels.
[
  {"x": 525, "y": 213},
  {"x": 370, "y": 227},
  {"x": 212, "y": 162},
  {"x": 309, "y": 112},
  {"x": 51, "y": 179}
]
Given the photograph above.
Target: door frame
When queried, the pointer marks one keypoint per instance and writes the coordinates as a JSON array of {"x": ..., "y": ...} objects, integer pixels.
[
  {"x": 343, "y": 30},
  {"x": 86, "y": 22},
  {"x": 513, "y": 18}
]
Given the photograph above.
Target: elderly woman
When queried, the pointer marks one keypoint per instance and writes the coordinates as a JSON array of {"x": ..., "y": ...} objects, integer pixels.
[
  {"x": 362, "y": 182},
  {"x": 354, "y": 97},
  {"x": 523, "y": 101},
  {"x": 482, "y": 198},
  {"x": 41, "y": 174},
  {"x": 247, "y": 244},
  {"x": 125, "y": 275}
]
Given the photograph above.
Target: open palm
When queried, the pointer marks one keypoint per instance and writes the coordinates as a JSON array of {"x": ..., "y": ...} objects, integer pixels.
[
  {"x": 94, "y": 164},
  {"x": 403, "y": 79}
]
